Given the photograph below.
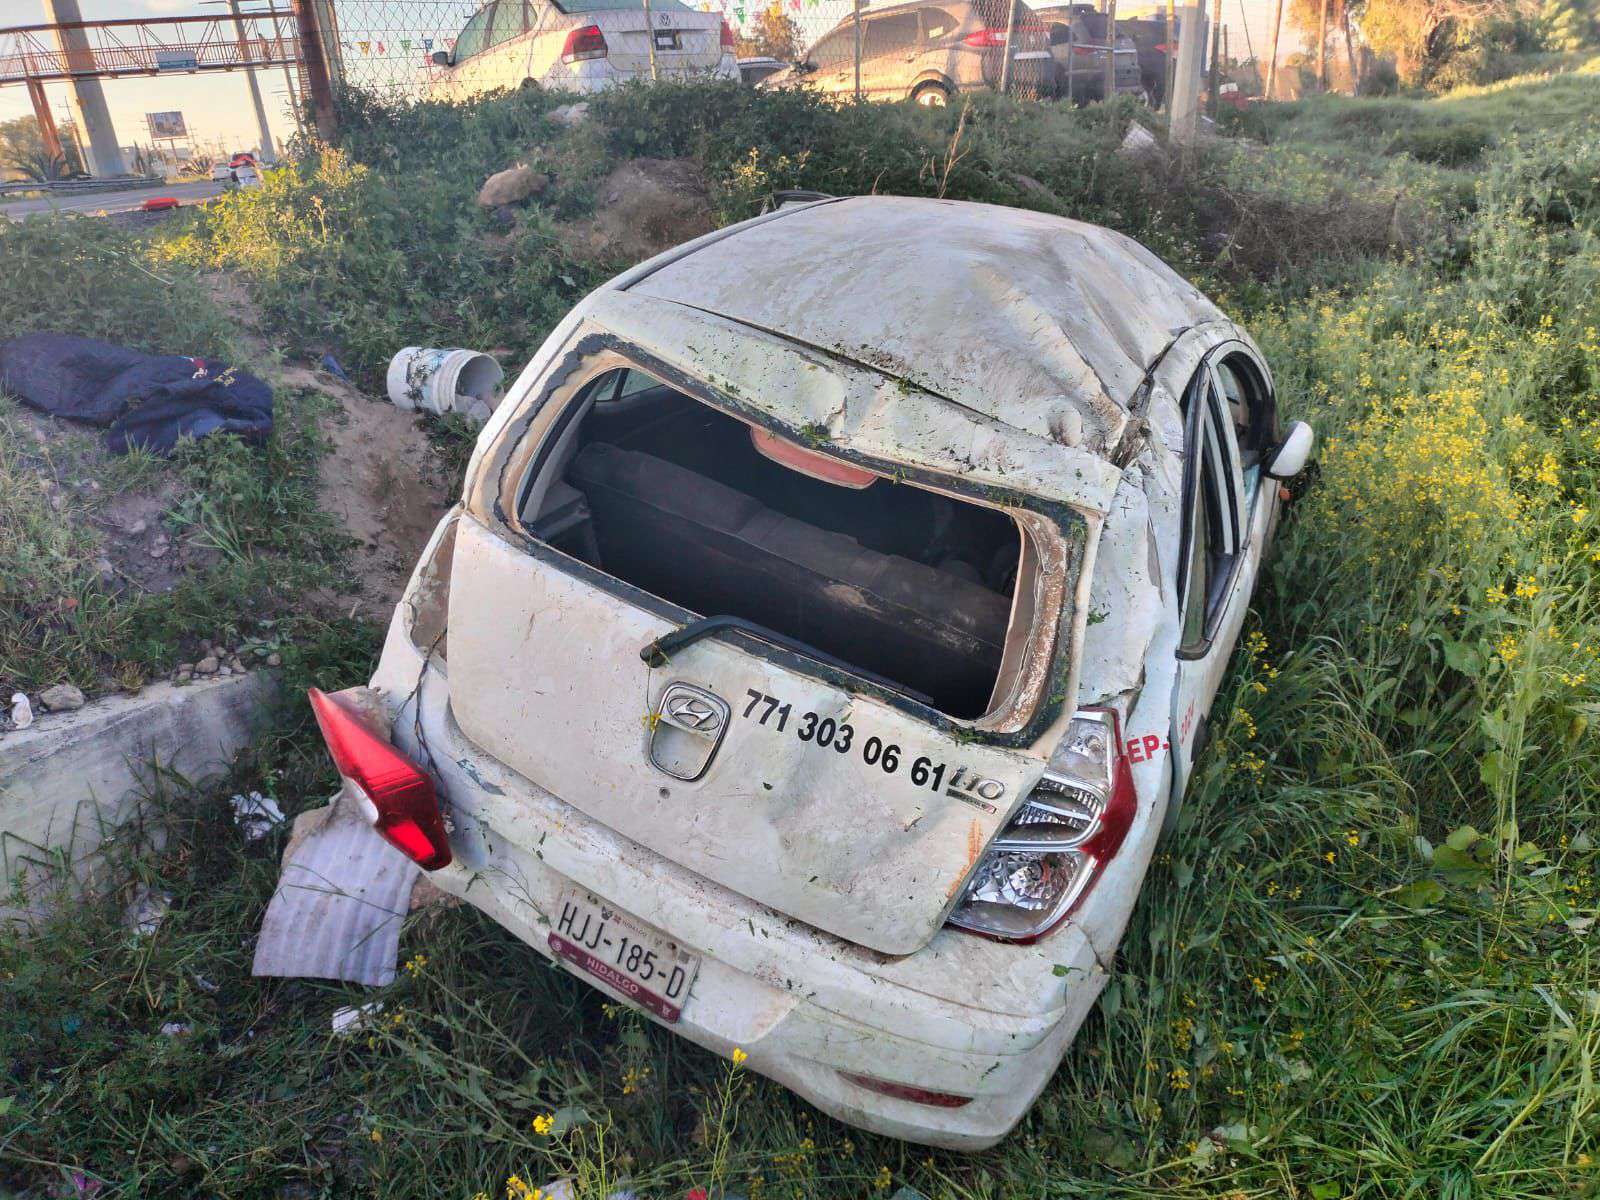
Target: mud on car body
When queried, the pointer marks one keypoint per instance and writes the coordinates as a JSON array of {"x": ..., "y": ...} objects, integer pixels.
[{"x": 826, "y": 628}]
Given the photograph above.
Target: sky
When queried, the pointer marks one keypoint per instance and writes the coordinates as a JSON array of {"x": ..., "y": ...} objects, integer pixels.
[{"x": 217, "y": 106}]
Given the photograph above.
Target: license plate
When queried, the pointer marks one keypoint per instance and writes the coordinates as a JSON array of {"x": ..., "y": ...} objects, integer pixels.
[
  {"x": 667, "y": 39},
  {"x": 638, "y": 963}
]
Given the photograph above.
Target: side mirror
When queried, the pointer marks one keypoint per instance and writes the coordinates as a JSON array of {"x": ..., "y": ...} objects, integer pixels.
[
  {"x": 1289, "y": 459},
  {"x": 439, "y": 58}
]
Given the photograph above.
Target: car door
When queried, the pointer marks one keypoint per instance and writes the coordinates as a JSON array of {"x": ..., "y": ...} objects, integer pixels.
[
  {"x": 834, "y": 60},
  {"x": 889, "y": 52},
  {"x": 1226, "y": 521}
]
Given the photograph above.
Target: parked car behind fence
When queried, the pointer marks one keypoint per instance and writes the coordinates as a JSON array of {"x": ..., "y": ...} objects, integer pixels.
[
  {"x": 583, "y": 45},
  {"x": 928, "y": 51},
  {"x": 1078, "y": 38}
]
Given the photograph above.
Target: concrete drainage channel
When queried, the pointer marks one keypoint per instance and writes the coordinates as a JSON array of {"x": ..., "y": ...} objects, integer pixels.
[{"x": 72, "y": 780}]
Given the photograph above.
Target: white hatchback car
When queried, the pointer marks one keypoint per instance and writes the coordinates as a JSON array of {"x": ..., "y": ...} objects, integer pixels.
[
  {"x": 828, "y": 623},
  {"x": 582, "y": 46}
]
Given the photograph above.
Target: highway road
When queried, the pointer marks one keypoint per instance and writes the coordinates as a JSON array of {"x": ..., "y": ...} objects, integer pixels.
[{"x": 111, "y": 202}]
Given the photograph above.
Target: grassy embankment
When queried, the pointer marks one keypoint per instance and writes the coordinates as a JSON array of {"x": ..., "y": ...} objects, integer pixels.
[{"x": 1364, "y": 965}]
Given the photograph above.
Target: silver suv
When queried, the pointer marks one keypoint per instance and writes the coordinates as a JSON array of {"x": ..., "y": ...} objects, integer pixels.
[{"x": 928, "y": 51}]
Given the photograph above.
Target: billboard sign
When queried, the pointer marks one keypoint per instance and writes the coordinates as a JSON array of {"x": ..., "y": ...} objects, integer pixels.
[{"x": 166, "y": 125}]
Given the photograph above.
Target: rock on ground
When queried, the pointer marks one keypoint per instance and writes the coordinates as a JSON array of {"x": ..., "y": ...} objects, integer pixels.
[
  {"x": 648, "y": 205},
  {"x": 61, "y": 698},
  {"x": 512, "y": 186}
]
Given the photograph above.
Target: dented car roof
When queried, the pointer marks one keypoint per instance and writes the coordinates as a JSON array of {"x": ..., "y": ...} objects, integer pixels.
[{"x": 1045, "y": 324}]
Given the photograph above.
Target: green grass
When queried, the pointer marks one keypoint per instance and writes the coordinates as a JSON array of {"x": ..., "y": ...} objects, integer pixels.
[
  {"x": 249, "y": 514},
  {"x": 1363, "y": 966}
]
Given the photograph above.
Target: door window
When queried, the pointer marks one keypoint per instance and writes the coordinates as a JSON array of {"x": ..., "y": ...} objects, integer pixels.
[
  {"x": 510, "y": 20},
  {"x": 1211, "y": 514},
  {"x": 1250, "y": 413},
  {"x": 937, "y": 25},
  {"x": 833, "y": 50},
  {"x": 889, "y": 36},
  {"x": 475, "y": 35}
]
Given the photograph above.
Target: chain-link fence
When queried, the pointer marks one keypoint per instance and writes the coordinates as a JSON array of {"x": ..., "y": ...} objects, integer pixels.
[{"x": 928, "y": 50}]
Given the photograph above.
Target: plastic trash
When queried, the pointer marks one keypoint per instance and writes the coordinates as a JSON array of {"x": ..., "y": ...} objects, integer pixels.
[
  {"x": 331, "y": 365},
  {"x": 255, "y": 814},
  {"x": 445, "y": 381},
  {"x": 21, "y": 711},
  {"x": 353, "y": 1017},
  {"x": 147, "y": 910}
]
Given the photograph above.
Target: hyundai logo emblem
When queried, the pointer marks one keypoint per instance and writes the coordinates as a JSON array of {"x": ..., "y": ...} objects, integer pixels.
[{"x": 691, "y": 712}]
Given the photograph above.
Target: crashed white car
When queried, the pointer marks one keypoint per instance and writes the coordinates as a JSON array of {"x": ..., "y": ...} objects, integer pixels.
[{"x": 828, "y": 624}]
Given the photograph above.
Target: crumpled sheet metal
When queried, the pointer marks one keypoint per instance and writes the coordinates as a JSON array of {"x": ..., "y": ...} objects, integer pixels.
[
  {"x": 854, "y": 408},
  {"x": 1135, "y": 567},
  {"x": 339, "y": 906},
  {"x": 1015, "y": 314}
]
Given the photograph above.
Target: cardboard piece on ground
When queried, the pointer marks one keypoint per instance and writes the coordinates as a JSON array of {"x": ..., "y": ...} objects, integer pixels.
[{"x": 339, "y": 905}]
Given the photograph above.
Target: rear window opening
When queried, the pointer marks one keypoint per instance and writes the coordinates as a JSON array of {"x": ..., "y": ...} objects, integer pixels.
[{"x": 672, "y": 496}]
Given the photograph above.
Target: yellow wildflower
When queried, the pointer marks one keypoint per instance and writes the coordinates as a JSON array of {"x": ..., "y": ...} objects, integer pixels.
[{"x": 739, "y": 1057}]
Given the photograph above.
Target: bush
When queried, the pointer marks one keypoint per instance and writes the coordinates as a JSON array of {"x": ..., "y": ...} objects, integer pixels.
[{"x": 1446, "y": 145}]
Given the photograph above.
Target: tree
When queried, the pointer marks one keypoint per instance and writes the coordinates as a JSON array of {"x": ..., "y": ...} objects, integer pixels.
[
  {"x": 1423, "y": 37},
  {"x": 773, "y": 34},
  {"x": 1306, "y": 16},
  {"x": 22, "y": 150}
]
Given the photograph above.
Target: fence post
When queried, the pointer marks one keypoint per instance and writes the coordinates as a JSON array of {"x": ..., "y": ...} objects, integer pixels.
[
  {"x": 1011, "y": 33},
  {"x": 316, "y": 68},
  {"x": 650, "y": 28},
  {"x": 1111, "y": 51},
  {"x": 1322, "y": 48},
  {"x": 858, "y": 50},
  {"x": 1216, "y": 49},
  {"x": 1272, "y": 63}
]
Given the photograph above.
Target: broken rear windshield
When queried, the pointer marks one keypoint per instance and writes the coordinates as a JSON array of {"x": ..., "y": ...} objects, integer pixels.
[{"x": 718, "y": 517}]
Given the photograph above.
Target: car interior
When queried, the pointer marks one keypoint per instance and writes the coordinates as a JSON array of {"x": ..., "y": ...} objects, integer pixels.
[{"x": 717, "y": 516}]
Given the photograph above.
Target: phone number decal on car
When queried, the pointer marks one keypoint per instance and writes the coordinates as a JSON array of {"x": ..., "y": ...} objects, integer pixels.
[{"x": 840, "y": 736}]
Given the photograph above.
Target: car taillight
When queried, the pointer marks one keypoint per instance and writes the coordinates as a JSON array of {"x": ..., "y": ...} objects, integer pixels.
[
  {"x": 985, "y": 39},
  {"x": 905, "y": 1091},
  {"x": 402, "y": 802},
  {"x": 1067, "y": 829},
  {"x": 582, "y": 44},
  {"x": 727, "y": 36}
]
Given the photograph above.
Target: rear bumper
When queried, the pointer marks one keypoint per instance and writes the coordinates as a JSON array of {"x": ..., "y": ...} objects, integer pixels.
[{"x": 963, "y": 1016}]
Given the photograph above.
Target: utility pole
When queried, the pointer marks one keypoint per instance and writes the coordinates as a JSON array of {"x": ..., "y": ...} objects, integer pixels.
[
  {"x": 1322, "y": 48},
  {"x": 88, "y": 97},
  {"x": 1183, "y": 126},
  {"x": 1272, "y": 64},
  {"x": 316, "y": 69}
]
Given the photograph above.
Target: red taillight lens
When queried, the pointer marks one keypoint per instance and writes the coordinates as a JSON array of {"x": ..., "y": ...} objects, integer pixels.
[
  {"x": 727, "y": 36},
  {"x": 401, "y": 794},
  {"x": 986, "y": 39},
  {"x": 904, "y": 1091},
  {"x": 1036, "y": 869},
  {"x": 583, "y": 44}
]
